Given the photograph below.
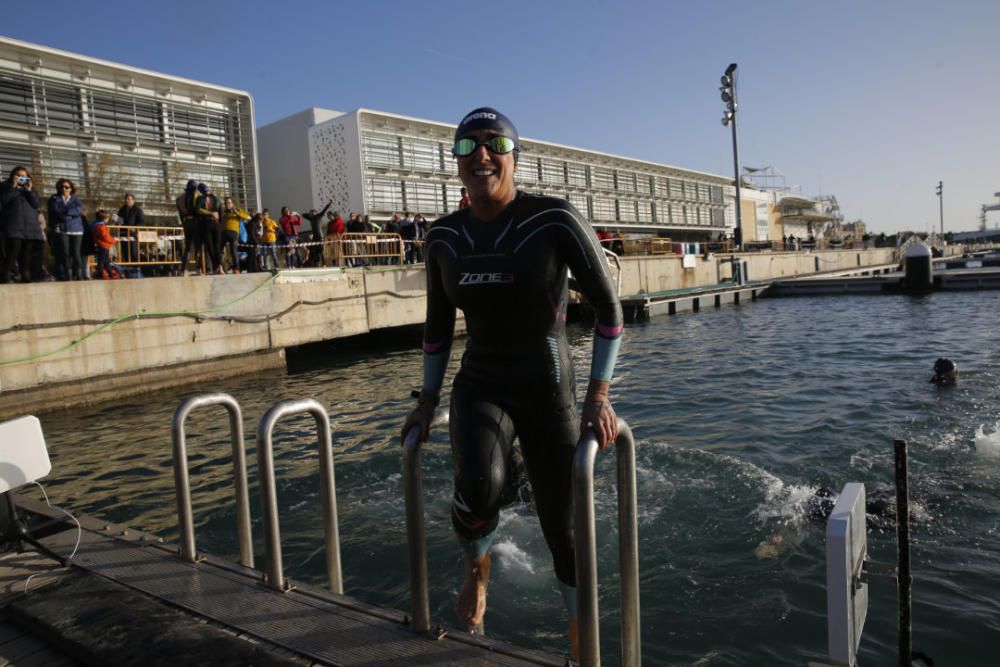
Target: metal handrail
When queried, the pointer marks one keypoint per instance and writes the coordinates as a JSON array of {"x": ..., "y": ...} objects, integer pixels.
[
  {"x": 413, "y": 492},
  {"x": 275, "y": 576},
  {"x": 182, "y": 482},
  {"x": 613, "y": 257},
  {"x": 586, "y": 547}
]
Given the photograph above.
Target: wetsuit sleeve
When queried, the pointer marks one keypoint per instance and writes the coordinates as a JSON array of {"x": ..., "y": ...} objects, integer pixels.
[
  {"x": 590, "y": 269},
  {"x": 439, "y": 327}
]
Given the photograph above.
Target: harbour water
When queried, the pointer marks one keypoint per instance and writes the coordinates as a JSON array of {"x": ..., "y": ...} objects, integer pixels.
[{"x": 740, "y": 415}]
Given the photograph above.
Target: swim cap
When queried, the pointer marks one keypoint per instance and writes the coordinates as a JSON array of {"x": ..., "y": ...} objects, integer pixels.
[
  {"x": 192, "y": 184},
  {"x": 944, "y": 365},
  {"x": 486, "y": 118}
]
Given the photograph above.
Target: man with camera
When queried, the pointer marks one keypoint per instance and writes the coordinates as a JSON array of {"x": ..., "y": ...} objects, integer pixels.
[{"x": 24, "y": 240}]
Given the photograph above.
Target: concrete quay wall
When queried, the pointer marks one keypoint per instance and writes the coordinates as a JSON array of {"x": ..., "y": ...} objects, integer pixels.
[
  {"x": 649, "y": 275},
  {"x": 65, "y": 344}
]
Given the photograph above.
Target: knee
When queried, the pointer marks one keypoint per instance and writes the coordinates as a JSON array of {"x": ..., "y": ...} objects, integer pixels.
[{"x": 476, "y": 504}]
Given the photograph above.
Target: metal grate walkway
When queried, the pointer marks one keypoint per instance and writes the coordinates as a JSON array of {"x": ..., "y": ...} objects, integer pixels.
[{"x": 319, "y": 625}]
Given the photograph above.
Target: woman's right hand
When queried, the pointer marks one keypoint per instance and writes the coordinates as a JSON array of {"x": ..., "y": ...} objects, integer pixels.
[{"x": 421, "y": 416}]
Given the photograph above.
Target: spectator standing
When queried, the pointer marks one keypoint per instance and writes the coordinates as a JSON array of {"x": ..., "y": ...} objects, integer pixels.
[
  {"x": 421, "y": 224},
  {"x": 408, "y": 232},
  {"x": 315, "y": 218},
  {"x": 604, "y": 237},
  {"x": 290, "y": 222},
  {"x": 231, "y": 219},
  {"x": 392, "y": 226},
  {"x": 333, "y": 248},
  {"x": 131, "y": 215},
  {"x": 24, "y": 239},
  {"x": 255, "y": 234},
  {"x": 207, "y": 210},
  {"x": 464, "y": 202},
  {"x": 269, "y": 235},
  {"x": 65, "y": 218},
  {"x": 192, "y": 235},
  {"x": 103, "y": 242}
]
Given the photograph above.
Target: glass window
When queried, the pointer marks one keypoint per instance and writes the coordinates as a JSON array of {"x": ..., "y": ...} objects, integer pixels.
[
  {"x": 385, "y": 195},
  {"x": 420, "y": 155},
  {"x": 604, "y": 208},
  {"x": 626, "y": 181},
  {"x": 580, "y": 201},
  {"x": 718, "y": 217},
  {"x": 381, "y": 150},
  {"x": 17, "y": 100},
  {"x": 553, "y": 171},
  {"x": 576, "y": 174},
  {"x": 602, "y": 178},
  {"x": 424, "y": 197},
  {"x": 662, "y": 184},
  {"x": 198, "y": 128},
  {"x": 527, "y": 169},
  {"x": 643, "y": 184},
  {"x": 676, "y": 189},
  {"x": 716, "y": 194},
  {"x": 645, "y": 211}
]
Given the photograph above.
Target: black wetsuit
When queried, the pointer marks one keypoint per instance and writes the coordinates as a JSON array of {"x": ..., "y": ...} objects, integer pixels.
[{"x": 509, "y": 277}]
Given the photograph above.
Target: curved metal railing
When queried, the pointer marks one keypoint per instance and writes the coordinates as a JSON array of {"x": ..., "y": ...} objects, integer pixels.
[
  {"x": 275, "y": 575},
  {"x": 586, "y": 548},
  {"x": 413, "y": 492},
  {"x": 182, "y": 482}
]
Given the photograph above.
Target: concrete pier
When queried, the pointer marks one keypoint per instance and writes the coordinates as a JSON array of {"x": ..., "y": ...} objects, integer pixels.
[{"x": 65, "y": 344}]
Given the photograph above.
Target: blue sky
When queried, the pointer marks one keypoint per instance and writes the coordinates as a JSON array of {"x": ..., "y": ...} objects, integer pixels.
[{"x": 874, "y": 102}]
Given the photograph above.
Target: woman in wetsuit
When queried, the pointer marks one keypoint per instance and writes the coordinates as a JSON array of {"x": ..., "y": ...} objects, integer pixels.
[{"x": 504, "y": 262}]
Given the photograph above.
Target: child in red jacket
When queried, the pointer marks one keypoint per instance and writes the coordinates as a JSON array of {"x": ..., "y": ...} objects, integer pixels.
[{"x": 102, "y": 243}]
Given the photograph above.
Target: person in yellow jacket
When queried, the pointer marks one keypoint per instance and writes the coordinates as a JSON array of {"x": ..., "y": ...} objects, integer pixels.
[
  {"x": 268, "y": 239},
  {"x": 230, "y": 218}
]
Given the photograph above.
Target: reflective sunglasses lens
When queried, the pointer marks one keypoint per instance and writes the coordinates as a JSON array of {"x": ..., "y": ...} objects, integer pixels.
[
  {"x": 464, "y": 147},
  {"x": 500, "y": 145}
]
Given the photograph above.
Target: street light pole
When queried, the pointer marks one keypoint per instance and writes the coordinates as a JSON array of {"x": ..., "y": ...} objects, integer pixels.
[
  {"x": 729, "y": 118},
  {"x": 940, "y": 194}
]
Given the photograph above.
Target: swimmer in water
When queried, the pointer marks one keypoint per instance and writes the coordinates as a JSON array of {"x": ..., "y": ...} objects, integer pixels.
[
  {"x": 945, "y": 372},
  {"x": 880, "y": 508}
]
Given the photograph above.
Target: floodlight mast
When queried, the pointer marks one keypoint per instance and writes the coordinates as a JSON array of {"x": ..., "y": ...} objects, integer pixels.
[{"x": 728, "y": 89}]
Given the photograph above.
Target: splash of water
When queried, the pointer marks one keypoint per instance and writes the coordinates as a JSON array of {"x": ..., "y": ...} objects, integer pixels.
[{"x": 988, "y": 444}]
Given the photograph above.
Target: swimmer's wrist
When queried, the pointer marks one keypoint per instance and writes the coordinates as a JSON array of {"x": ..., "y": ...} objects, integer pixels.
[
  {"x": 429, "y": 397},
  {"x": 597, "y": 391}
]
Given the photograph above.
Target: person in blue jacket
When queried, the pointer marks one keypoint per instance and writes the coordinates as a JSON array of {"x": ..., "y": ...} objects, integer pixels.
[{"x": 66, "y": 223}]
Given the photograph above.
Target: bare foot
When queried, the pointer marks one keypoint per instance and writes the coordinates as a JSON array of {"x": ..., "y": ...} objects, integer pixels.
[
  {"x": 574, "y": 640},
  {"x": 470, "y": 606}
]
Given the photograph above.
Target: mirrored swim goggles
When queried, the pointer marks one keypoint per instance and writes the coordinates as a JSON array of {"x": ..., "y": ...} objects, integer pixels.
[{"x": 500, "y": 145}]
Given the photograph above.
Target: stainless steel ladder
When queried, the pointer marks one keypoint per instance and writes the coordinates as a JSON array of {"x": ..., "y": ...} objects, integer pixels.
[{"x": 586, "y": 543}]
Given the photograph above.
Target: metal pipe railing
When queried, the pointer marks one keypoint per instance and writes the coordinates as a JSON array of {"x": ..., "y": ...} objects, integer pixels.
[
  {"x": 182, "y": 482},
  {"x": 413, "y": 492},
  {"x": 269, "y": 497},
  {"x": 586, "y": 547}
]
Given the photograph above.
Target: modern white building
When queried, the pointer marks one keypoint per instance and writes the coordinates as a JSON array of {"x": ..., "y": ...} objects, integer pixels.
[
  {"x": 380, "y": 163},
  {"x": 112, "y": 128}
]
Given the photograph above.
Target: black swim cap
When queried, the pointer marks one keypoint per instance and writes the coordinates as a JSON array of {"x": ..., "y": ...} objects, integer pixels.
[
  {"x": 944, "y": 365},
  {"x": 486, "y": 118}
]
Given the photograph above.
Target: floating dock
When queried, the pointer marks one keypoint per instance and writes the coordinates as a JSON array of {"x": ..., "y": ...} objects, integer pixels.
[{"x": 126, "y": 598}]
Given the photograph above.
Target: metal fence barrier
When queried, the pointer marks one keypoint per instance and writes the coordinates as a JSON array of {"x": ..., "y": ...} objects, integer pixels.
[
  {"x": 275, "y": 575},
  {"x": 586, "y": 547},
  {"x": 144, "y": 246},
  {"x": 182, "y": 483}
]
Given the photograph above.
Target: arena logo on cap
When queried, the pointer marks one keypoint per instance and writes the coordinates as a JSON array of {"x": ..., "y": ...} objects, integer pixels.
[{"x": 479, "y": 116}]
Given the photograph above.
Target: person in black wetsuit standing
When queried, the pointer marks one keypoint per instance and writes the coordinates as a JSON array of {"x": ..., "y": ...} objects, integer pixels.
[{"x": 504, "y": 262}]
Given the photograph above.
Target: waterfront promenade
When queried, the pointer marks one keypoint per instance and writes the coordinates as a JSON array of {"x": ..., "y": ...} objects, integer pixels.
[{"x": 64, "y": 344}]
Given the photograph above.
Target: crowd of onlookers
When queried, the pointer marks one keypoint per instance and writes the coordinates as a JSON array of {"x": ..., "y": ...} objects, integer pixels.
[
  {"x": 27, "y": 225},
  {"x": 54, "y": 238}
]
